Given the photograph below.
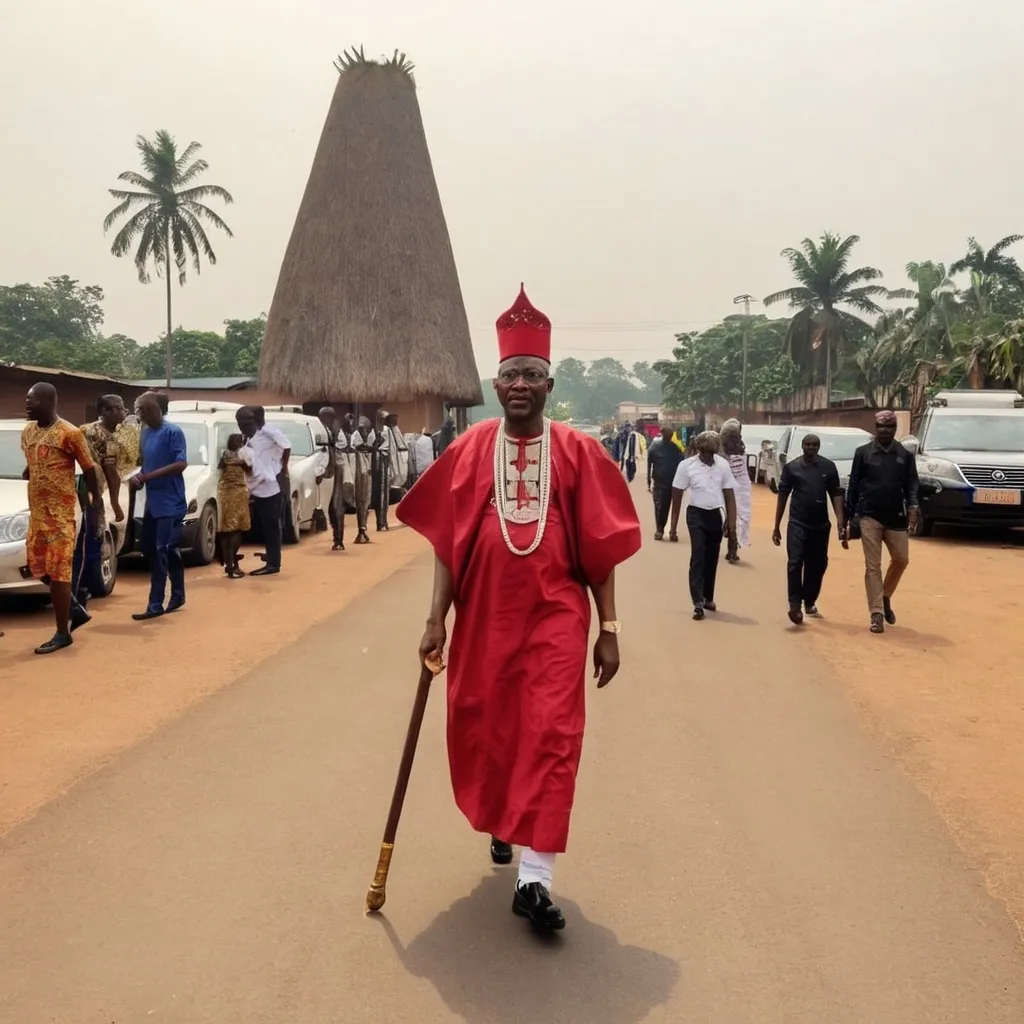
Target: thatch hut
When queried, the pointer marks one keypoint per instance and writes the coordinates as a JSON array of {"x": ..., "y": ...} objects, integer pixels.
[{"x": 368, "y": 307}]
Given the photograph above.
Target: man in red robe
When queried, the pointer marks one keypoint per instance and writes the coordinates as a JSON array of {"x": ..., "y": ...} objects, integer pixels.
[{"x": 525, "y": 517}]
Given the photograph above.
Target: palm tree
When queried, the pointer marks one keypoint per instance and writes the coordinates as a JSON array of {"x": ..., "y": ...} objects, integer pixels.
[
  {"x": 989, "y": 269},
  {"x": 167, "y": 212},
  {"x": 824, "y": 286}
]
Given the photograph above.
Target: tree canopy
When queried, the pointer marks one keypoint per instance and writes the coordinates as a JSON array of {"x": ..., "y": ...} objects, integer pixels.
[{"x": 58, "y": 324}]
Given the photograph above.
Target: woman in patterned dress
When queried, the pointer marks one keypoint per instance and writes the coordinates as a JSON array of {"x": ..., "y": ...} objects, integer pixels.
[{"x": 233, "y": 502}]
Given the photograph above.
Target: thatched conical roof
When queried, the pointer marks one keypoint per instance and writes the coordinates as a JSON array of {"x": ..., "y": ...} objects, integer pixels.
[{"x": 368, "y": 305}]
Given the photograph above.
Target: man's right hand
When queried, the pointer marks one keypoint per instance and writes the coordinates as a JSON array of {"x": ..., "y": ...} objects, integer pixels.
[
  {"x": 844, "y": 535},
  {"x": 118, "y": 512},
  {"x": 777, "y": 537},
  {"x": 434, "y": 639}
]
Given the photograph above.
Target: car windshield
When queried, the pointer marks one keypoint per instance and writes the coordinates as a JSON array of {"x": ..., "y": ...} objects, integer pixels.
[
  {"x": 12, "y": 461},
  {"x": 298, "y": 434},
  {"x": 197, "y": 437},
  {"x": 977, "y": 433},
  {"x": 833, "y": 446}
]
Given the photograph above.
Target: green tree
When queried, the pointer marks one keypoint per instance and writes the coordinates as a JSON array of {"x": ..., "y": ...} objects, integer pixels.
[
  {"x": 650, "y": 383},
  {"x": 195, "y": 354},
  {"x": 53, "y": 324},
  {"x": 243, "y": 339},
  {"x": 991, "y": 271},
  {"x": 825, "y": 288},
  {"x": 166, "y": 213}
]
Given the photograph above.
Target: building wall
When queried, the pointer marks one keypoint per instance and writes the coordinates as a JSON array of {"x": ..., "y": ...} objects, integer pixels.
[{"x": 76, "y": 396}]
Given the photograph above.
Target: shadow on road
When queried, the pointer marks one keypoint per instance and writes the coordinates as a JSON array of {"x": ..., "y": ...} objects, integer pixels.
[
  {"x": 490, "y": 968},
  {"x": 893, "y": 634}
]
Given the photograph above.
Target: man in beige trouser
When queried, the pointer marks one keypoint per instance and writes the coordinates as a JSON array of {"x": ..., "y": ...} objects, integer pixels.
[
  {"x": 883, "y": 498},
  {"x": 872, "y": 536}
]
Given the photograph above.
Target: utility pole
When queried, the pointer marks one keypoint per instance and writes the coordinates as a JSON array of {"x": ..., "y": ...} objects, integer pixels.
[{"x": 746, "y": 300}]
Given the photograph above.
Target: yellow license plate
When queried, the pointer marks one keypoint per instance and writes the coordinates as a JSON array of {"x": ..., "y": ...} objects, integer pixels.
[{"x": 990, "y": 496}]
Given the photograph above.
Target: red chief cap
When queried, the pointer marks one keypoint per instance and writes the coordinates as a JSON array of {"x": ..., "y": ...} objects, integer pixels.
[{"x": 523, "y": 330}]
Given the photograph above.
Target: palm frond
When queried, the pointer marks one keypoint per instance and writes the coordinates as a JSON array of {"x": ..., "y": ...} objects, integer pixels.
[
  {"x": 356, "y": 57},
  {"x": 198, "y": 240},
  {"x": 138, "y": 180},
  {"x": 202, "y": 212},
  {"x": 200, "y": 192},
  {"x": 794, "y": 296},
  {"x": 190, "y": 173}
]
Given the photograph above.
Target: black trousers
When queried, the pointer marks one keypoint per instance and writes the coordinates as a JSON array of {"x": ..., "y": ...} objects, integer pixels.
[
  {"x": 706, "y": 529},
  {"x": 268, "y": 514},
  {"x": 662, "y": 494},
  {"x": 381, "y": 493},
  {"x": 807, "y": 554}
]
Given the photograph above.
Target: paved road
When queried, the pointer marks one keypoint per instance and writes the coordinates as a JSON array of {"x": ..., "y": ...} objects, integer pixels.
[{"x": 742, "y": 851}]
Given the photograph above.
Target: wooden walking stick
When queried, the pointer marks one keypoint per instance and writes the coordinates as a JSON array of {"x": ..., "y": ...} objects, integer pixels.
[{"x": 432, "y": 666}]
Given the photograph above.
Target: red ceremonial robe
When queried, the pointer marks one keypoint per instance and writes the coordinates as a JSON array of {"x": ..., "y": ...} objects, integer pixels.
[{"x": 517, "y": 660}]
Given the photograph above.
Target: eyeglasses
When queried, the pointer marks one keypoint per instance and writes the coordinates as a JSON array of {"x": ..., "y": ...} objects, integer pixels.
[{"x": 530, "y": 375}]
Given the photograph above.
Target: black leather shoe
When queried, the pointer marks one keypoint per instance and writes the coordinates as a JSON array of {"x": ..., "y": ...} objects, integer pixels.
[
  {"x": 501, "y": 853},
  {"x": 698, "y": 612},
  {"x": 710, "y": 606},
  {"x": 889, "y": 615},
  {"x": 533, "y": 901},
  {"x": 56, "y": 643}
]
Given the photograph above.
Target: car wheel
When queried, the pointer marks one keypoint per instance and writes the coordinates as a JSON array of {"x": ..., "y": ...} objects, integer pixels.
[
  {"x": 204, "y": 550},
  {"x": 291, "y": 531},
  {"x": 925, "y": 527},
  {"x": 102, "y": 577}
]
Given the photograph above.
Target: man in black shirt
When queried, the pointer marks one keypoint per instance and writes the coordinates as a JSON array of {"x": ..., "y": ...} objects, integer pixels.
[
  {"x": 883, "y": 498},
  {"x": 811, "y": 481},
  {"x": 662, "y": 459}
]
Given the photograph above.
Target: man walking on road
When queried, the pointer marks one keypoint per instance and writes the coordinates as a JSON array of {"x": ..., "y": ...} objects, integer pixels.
[
  {"x": 811, "y": 481},
  {"x": 883, "y": 499},
  {"x": 164, "y": 460},
  {"x": 708, "y": 478},
  {"x": 525, "y": 516},
  {"x": 268, "y": 481},
  {"x": 662, "y": 461},
  {"x": 51, "y": 447}
]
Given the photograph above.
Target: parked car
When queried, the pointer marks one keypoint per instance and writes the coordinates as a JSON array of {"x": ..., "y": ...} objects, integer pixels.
[
  {"x": 970, "y": 459},
  {"x": 837, "y": 444},
  {"x": 207, "y": 427},
  {"x": 14, "y": 515},
  {"x": 760, "y": 440}
]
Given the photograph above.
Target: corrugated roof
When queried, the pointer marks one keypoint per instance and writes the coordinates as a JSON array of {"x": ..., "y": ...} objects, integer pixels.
[
  {"x": 199, "y": 383},
  {"x": 55, "y": 372}
]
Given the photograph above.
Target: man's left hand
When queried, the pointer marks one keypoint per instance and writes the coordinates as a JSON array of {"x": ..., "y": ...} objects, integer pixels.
[
  {"x": 606, "y": 658},
  {"x": 913, "y": 517}
]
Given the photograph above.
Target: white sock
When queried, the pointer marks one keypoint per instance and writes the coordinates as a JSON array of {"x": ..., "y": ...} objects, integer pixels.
[{"x": 535, "y": 867}]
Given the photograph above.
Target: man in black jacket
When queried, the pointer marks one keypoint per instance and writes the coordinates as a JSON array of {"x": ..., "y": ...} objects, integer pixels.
[
  {"x": 883, "y": 495},
  {"x": 663, "y": 459}
]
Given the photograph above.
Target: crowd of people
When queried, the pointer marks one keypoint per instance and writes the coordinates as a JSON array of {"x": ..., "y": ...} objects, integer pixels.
[
  {"x": 371, "y": 466},
  {"x": 879, "y": 508}
]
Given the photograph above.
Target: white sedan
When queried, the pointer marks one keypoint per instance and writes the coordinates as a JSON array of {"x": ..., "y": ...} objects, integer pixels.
[
  {"x": 14, "y": 576},
  {"x": 837, "y": 444}
]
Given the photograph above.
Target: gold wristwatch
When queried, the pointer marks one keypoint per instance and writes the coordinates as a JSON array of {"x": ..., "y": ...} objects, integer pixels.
[{"x": 611, "y": 627}]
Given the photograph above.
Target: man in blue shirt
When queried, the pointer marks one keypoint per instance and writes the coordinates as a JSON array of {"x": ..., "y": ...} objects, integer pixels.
[{"x": 164, "y": 459}]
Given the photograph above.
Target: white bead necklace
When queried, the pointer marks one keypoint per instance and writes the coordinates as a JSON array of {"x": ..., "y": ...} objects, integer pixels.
[{"x": 501, "y": 462}]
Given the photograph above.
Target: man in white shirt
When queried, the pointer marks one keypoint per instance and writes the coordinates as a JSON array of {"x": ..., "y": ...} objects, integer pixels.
[
  {"x": 270, "y": 450},
  {"x": 709, "y": 480},
  {"x": 421, "y": 454}
]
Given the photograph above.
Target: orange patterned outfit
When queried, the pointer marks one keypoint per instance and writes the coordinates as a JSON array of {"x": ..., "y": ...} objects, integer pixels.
[{"x": 51, "y": 453}]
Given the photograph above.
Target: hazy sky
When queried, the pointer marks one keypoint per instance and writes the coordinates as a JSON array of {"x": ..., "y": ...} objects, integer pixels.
[{"x": 638, "y": 169}]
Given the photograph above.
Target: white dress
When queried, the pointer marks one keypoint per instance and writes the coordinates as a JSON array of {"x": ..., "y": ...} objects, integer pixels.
[{"x": 738, "y": 465}]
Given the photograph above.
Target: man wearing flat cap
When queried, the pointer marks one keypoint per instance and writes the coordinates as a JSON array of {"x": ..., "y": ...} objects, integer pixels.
[{"x": 883, "y": 500}]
